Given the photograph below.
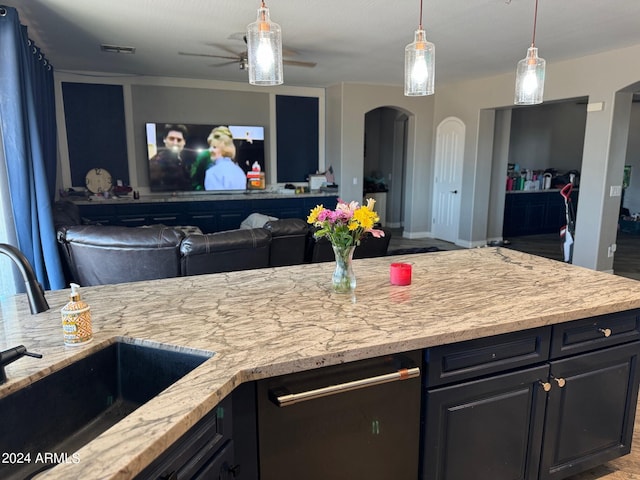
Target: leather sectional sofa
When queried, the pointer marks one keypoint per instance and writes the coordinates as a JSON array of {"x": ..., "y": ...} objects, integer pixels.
[{"x": 98, "y": 255}]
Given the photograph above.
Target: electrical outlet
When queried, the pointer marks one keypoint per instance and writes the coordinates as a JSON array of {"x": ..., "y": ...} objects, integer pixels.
[
  {"x": 611, "y": 250},
  {"x": 615, "y": 191},
  {"x": 355, "y": 180}
]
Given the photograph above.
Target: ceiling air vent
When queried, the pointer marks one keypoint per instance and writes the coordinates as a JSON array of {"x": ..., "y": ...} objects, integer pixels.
[{"x": 117, "y": 49}]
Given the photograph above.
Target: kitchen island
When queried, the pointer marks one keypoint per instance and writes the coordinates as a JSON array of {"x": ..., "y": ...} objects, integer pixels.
[{"x": 270, "y": 322}]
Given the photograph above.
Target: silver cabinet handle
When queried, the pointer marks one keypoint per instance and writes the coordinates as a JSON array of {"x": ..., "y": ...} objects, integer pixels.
[{"x": 292, "y": 398}]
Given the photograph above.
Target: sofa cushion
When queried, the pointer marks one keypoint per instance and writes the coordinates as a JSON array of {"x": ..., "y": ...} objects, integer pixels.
[
  {"x": 101, "y": 255},
  {"x": 226, "y": 251},
  {"x": 288, "y": 241},
  {"x": 371, "y": 246}
]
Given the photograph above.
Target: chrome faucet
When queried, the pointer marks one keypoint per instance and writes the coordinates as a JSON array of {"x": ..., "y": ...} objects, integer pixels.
[
  {"x": 12, "y": 355},
  {"x": 35, "y": 292}
]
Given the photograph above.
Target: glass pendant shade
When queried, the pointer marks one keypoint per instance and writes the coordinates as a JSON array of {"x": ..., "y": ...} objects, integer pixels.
[
  {"x": 530, "y": 79},
  {"x": 264, "y": 50},
  {"x": 419, "y": 66}
]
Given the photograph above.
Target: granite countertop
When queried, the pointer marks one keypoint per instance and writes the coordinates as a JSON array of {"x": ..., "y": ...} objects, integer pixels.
[
  {"x": 262, "y": 323},
  {"x": 200, "y": 197}
]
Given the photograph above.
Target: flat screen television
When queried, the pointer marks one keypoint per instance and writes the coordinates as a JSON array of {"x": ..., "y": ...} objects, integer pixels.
[{"x": 184, "y": 157}]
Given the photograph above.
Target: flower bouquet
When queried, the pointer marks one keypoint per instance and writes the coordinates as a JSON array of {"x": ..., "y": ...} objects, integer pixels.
[{"x": 344, "y": 227}]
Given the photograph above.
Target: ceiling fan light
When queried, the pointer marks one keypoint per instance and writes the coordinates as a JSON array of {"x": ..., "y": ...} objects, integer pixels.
[
  {"x": 264, "y": 50},
  {"x": 419, "y": 66}
]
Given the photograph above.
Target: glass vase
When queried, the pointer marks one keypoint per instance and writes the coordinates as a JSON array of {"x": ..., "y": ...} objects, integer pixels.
[{"x": 344, "y": 279}]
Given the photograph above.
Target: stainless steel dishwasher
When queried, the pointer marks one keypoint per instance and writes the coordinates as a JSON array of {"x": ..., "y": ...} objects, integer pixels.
[{"x": 351, "y": 421}]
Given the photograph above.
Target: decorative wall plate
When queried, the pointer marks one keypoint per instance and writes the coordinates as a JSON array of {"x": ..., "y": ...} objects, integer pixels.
[{"x": 98, "y": 180}]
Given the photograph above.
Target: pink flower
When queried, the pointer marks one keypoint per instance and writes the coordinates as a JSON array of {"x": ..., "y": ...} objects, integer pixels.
[
  {"x": 324, "y": 214},
  {"x": 375, "y": 232}
]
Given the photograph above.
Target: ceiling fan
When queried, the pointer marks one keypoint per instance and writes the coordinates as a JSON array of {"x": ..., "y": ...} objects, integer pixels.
[{"x": 241, "y": 58}]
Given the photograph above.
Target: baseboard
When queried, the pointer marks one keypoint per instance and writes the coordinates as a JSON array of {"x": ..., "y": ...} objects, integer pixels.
[
  {"x": 474, "y": 244},
  {"x": 412, "y": 235}
]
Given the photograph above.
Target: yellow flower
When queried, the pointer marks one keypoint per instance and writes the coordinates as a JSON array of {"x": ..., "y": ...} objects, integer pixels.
[
  {"x": 365, "y": 218},
  {"x": 313, "y": 215}
]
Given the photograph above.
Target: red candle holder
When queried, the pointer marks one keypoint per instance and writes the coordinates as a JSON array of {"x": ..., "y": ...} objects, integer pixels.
[{"x": 400, "y": 274}]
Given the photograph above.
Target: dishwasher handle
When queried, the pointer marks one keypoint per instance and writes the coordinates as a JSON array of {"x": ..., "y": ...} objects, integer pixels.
[{"x": 287, "y": 399}]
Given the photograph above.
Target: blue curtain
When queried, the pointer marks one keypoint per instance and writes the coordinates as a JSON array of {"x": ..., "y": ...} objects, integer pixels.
[{"x": 27, "y": 125}]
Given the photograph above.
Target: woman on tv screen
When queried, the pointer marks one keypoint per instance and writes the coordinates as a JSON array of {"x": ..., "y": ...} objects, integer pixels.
[{"x": 223, "y": 173}]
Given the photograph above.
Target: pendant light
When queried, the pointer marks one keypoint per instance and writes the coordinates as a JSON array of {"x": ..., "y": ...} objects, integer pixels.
[
  {"x": 264, "y": 50},
  {"x": 530, "y": 73},
  {"x": 419, "y": 64}
]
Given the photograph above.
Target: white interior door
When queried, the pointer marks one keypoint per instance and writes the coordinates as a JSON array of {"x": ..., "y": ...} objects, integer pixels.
[{"x": 448, "y": 179}]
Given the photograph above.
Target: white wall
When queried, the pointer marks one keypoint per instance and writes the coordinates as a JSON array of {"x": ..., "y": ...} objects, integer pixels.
[
  {"x": 347, "y": 105},
  {"x": 548, "y": 136},
  {"x": 597, "y": 77}
]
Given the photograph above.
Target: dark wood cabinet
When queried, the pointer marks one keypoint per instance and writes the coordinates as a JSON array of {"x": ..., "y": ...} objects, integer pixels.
[
  {"x": 537, "y": 212},
  {"x": 590, "y": 410},
  {"x": 196, "y": 450},
  {"x": 208, "y": 215},
  {"x": 221, "y": 446},
  {"x": 484, "y": 406},
  {"x": 488, "y": 428},
  {"x": 564, "y": 401}
]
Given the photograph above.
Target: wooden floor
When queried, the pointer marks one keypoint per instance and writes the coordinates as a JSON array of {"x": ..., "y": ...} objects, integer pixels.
[
  {"x": 626, "y": 260},
  {"x": 627, "y": 264}
]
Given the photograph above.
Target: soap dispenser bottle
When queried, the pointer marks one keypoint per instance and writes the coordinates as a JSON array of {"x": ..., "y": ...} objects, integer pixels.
[{"x": 76, "y": 319}]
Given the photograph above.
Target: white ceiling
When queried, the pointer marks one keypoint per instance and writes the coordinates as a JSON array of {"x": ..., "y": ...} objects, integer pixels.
[{"x": 350, "y": 40}]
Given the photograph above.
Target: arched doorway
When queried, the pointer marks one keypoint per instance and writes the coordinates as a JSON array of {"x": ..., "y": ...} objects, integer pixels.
[{"x": 384, "y": 166}]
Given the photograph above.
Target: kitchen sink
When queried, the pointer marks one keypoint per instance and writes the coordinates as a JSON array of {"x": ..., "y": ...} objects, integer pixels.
[{"x": 61, "y": 412}]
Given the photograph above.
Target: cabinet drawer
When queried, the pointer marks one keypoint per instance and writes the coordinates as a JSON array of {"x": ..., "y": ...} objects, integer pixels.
[
  {"x": 474, "y": 358},
  {"x": 594, "y": 333},
  {"x": 193, "y": 450}
]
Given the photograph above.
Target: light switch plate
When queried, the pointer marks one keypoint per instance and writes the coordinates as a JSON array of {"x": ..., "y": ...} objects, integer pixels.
[{"x": 616, "y": 191}]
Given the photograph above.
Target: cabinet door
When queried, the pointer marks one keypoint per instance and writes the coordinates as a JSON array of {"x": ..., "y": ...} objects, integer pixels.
[
  {"x": 488, "y": 428},
  {"x": 590, "y": 419}
]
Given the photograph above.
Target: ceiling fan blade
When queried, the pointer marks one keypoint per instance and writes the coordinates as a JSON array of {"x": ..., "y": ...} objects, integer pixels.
[
  {"x": 296, "y": 63},
  {"x": 208, "y": 55},
  {"x": 224, "y": 64},
  {"x": 221, "y": 46}
]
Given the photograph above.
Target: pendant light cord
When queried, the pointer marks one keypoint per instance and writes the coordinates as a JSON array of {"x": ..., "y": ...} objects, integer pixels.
[
  {"x": 535, "y": 21},
  {"x": 421, "y": 15}
]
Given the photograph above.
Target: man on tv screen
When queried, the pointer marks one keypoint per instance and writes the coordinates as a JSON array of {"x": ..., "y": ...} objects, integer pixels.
[{"x": 168, "y": 169}]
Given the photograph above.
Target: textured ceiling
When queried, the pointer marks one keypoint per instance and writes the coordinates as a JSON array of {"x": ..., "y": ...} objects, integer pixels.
[{"x": 350, "y": 40}]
